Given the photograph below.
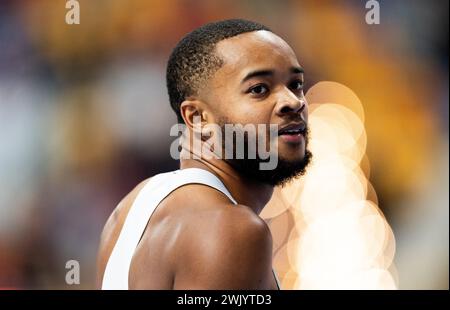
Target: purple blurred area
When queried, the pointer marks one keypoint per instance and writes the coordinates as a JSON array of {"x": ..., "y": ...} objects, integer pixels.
[{"x": 84, "y": 117}]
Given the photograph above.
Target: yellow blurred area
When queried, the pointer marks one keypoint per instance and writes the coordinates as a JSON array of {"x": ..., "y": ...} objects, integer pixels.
[
  {"x": 396, "y": 100},
  {"x": 109, "y": 24}
]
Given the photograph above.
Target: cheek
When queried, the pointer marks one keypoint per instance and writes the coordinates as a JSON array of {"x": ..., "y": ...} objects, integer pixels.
[
  {"x": 256, "y": 112},
  {"x": 241, "y": 109},
  {"x": 226, "y": 106}
]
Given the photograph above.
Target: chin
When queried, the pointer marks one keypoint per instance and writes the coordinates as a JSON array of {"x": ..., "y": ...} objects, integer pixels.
[{"x": 292, "y": 154}]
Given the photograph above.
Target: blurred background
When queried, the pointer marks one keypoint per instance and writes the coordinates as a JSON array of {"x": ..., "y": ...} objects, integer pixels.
[{"x": 84, "y": 117}]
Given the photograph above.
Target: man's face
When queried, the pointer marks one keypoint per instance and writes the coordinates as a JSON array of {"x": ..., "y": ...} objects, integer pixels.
[{"x": 261, "y": 82}]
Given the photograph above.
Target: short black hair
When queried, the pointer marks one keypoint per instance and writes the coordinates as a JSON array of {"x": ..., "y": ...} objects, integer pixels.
[{"x": 193, "y": 60}]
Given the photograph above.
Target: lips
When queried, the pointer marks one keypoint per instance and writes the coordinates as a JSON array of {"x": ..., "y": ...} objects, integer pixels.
[
  {"x": 293, "y": 129},
  {"x": 293, "y": 134}
]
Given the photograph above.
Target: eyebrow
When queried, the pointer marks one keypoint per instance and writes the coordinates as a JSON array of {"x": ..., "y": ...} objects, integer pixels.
[{"x": 261, "y": 73}]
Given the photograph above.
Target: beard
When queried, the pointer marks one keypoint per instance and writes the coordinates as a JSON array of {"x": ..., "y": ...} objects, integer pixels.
[{"x": 284, "y": 172}]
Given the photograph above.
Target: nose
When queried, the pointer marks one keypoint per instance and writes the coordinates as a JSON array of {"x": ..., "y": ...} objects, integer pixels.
[{"x": 290, "y": 103}]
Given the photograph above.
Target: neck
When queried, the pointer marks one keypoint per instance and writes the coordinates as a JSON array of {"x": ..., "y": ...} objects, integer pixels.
[{"x": 250, "y": 193}]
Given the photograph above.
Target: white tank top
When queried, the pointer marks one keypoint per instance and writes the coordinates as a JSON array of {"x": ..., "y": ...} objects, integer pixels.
[{"x": 149, "y": 197}]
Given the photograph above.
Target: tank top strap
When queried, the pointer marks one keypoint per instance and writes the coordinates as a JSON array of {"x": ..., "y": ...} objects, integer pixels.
[{"x": 149, "y": 197}]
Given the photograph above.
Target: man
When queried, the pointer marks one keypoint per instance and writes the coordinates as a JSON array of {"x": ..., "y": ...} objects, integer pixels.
[{"x": 199, "y": 227}]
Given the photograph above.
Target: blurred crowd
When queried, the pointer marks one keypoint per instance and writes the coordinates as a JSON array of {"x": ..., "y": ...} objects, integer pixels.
[{"x": 84, "y": 117}]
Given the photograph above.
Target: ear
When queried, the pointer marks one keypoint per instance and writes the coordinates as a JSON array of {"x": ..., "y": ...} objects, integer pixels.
[{"x": 193, "y": 108}]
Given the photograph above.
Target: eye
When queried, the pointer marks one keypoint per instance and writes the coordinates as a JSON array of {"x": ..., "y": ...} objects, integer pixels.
[
  {"x": 296, "y": 85},
  {"x": 259, "y": 90}
]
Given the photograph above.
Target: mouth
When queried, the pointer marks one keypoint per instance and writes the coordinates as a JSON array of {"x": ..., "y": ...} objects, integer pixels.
[{"x": 293, "y": 133}]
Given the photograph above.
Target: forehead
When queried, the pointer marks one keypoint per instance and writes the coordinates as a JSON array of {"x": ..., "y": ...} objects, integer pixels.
[{"x": 255, "y": 50}]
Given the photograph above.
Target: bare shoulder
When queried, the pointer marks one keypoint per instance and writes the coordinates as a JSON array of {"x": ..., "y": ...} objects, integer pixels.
[
  {"x": 230, "y": 248},
  {"x": 239, "y": 223}
]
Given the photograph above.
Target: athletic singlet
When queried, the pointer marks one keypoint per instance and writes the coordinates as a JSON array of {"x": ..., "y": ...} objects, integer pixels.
[{"x": 146, "y": 202}]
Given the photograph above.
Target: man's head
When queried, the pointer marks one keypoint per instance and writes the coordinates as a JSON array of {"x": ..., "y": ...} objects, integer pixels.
[{"x": 239, "y": 72}]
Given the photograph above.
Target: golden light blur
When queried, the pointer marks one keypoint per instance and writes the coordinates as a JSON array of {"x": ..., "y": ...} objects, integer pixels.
[{"x": 339, "y": 238}]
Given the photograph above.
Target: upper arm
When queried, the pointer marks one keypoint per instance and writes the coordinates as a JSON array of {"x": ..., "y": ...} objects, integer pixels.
[{"x": 232, "y": 251}]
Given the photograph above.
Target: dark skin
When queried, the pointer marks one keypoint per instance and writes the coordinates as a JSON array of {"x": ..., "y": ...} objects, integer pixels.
[{"x": 196, "y": 238}]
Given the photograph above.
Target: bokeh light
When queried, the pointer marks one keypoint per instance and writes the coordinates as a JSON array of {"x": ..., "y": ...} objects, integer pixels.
[{"x": 340, "y": 238}]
